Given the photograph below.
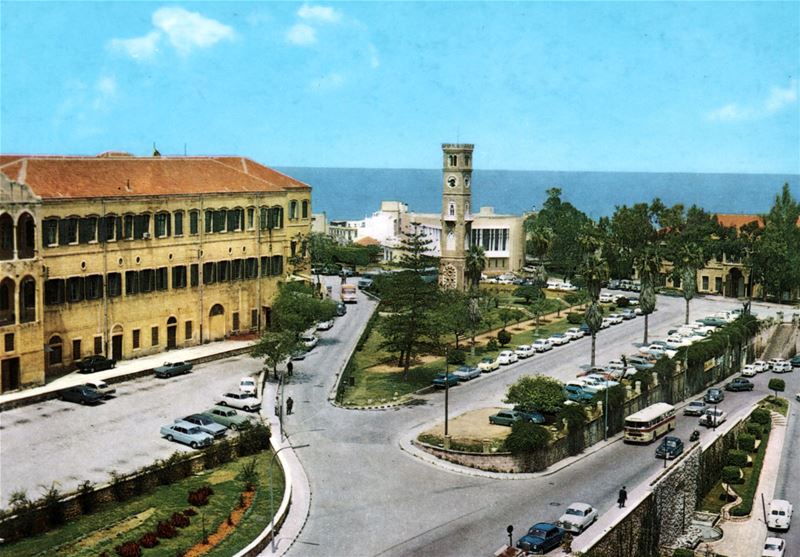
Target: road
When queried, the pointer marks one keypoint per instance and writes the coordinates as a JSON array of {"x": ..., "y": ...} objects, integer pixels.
[
  {"x": 370, "y": 498},
  {"x": 788, "y": 481}
]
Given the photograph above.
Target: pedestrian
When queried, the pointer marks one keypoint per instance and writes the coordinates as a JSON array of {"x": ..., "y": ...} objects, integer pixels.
[
  {"x": 622, "y": 497},
  {"x": 289, "y": 405},
  {"x": 289, "y": 368},
  {"x": 624, "y": 361}
]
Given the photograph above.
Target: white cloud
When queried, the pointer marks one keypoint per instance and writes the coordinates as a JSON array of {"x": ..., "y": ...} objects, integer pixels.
[
  {"x": 301, "y": 34},
  {"x": 188, "y": 30},
  {"x": 778, "y": 99},
  {"x": 324, "y": 14},
  {"x": 138, "y": 48},
  {"x": 328, "y": 82},
  {"x": 374, "y": 59}
]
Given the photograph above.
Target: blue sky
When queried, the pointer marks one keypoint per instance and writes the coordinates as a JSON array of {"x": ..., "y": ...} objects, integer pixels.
[{"x": 692, "y": 87}]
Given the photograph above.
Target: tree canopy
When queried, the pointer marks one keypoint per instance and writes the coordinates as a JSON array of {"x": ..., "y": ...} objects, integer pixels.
[{"x": 538, "y": 393}]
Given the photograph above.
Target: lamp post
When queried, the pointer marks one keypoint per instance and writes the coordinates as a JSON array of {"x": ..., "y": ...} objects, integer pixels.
[
  {"x": 605, "y": 411},
  {"x": 272, "y": 497},
  {"x": 714, "y": 419},
  {"x": 446, "y": 390}
]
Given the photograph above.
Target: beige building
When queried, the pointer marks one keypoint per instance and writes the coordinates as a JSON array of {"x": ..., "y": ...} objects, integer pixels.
[{"x": 127, "y": 256}]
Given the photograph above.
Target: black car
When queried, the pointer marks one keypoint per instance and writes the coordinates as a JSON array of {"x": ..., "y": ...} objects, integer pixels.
[
  {"x": 81, "y": 394},
  {"x": 341, "y": 308},
  {"x": 171, "y": 369},
  {"x": 739, "y": 384},
  {"x": 714, "y": 396},
  {"x": 541, "y": 538},
  {"x": 98, "y": 362},
  {"x": 669, "y": 448},
  {"x": 530, "y": 415}
]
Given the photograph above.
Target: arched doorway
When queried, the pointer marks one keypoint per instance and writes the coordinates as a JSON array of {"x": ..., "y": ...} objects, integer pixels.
[
  {"x": 26, "y": 230},
  {"x": 27, "y": 300},
  {"x": 116, "y": 343},
  {"x": 55, "y": 352},
  {"x": 736, "y": 287},
  {"x": 172, "y": 333},
  {"x": 216, "y": 322},
  {"x": 7, "y": 302},
  {"x": 6, "y": 236}
]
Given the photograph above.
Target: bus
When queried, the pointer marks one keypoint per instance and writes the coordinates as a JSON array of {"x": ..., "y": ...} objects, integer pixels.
[
  {"x": 349, "y": 294},
  {"x": 650, "y": 423}
]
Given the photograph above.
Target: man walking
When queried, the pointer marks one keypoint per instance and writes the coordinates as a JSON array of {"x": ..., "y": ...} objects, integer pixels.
[
  {"x": 289, "y": 368},
  {"x": 621, "y": 498},
  {"x": 289, "y": 405}
]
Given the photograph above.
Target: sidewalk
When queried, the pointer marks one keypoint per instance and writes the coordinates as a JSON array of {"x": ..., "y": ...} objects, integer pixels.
[
  {"x": 127, "y": 369},
  {"x": 744, "y": 537}
]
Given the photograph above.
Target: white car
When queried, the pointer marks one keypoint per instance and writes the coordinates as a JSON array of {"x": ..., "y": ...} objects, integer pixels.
[
  {"x": 749, "y": 371},
  {"x": 656, "y": 350},
  {"x": 618, "y": 369},
  {"x": 606, "y": 298},
  {"x": 558, "y": 339},
  {"x": 779, "y": 515},
  {"x": 615, "y": 318},
  {"x": 607, "y": 322},
  {"x": 674, "y": 342},
  {"x": 101, "y": 387},
  {"x": 761, "y": 366},
  {"x": 309, "y": 340},
  {"x": 599, "y": 382},
  {"x": 574, "y": 333},
  {"x": 774, "y": 547},
  {"x": 465, "y": 373},
  {"x": 780, "y": 366},
  {"x": 713, "y": 417},
  {"x": 524, "y": 351},
  {"x": 506, "y": 357},
  {"x": 243, "y": 401},
  {"x": 542, "y": 345},
  {"x": 577, "y": 518},
  {"x": 247, "y": 385},
  {"x": 325, "y": 325},
  {"x": 488, "y": 364}
]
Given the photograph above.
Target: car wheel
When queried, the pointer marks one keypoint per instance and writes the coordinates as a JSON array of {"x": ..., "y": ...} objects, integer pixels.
[
  {"x": 246, "y": 408},
  {"x": 169, "y": 437},
  {"x": 193, "y": 444},
  {"x": 234, "y": 427},
  {"x": 223, "y": 403}
]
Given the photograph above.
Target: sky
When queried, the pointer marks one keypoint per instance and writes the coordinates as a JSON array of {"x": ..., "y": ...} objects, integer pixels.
[{"x": 652, "y": 86}]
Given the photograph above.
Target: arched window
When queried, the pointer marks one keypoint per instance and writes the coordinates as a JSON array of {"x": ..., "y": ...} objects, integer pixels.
[
  {"x": 216, "y": 309},
  {"x": 54, "y": 348},
  {"x": 26, "y": 230},
  {"x": 87, "y": 230},
  {"x": 27, "y": 300},
  {"x": 178, "y": 216},
  {"x": 7, "y": 297},
  {"x": 6, "y": 236},
  {"x": 305, "y": 209},
  {"x": 163, "y": 224},
  {"x": 219, "y": 221},
  {"x": 50, "y": 232},
  {"x": 194, "y": 222},
  {"x": 292, "y": 210},
  {"x": 451, "y": 209},
  {"x": 235, "y": 219},
  {"x": 68, "y": 231}
]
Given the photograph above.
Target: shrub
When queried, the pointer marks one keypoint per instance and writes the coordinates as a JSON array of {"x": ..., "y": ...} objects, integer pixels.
[
  {"x": 190, "y": 512},
  {"x": 456, "y": 357},
  {"x": 86, "y": 497},
  {"x": 683, "y": 553},
  {"x": 149, "y": 540},
  {"x": 760, "y": 416},
  {"x": 180, "y": 520},
  {"x": 491, "y": 346},
  {"x": 503, "y": 337},
  {"x": 755, "y": 430},
  {"x": 574, "y": 318},
  {"x": 249, "y": 475},
  {"x": 736, "y": 458},
  {"x": 165, "y": 529},
  {"x": 526, "y": 437},
  {"x": 52, "y": 503},
  {"x": 129, "y": 549},
  {"x": 747, "y": 442},
  {"x": 731, "y": 475},
  {"x": 199, "y": 497},
  {"x": 623, "y": 302},
  {"x": 776, "y": 385},
  {"x": 254, "y": 439}
]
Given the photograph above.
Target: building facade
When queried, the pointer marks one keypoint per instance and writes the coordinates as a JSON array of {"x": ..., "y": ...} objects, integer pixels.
[{"x": 128, "y": 256}]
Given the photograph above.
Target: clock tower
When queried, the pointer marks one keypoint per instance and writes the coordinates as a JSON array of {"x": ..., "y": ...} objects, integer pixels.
[{"x": 456, "y": 213}]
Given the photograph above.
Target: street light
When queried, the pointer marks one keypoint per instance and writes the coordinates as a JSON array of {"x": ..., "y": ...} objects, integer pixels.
[
  {"x": 605, "y": 410},
  {"x": 271, "y": 496},
  {"x": 446, "y": 390}
]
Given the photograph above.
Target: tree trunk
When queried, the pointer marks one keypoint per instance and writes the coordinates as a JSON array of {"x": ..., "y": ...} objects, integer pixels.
[
  {"x": 646, "y": 319},
  {"x": 687, "y": 311},
  {"x": 593, "y": 346}
]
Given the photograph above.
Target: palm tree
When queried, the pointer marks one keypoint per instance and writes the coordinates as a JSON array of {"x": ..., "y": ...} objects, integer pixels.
[
  {"x": 540, "y": 238},
  {"x": 648, "y": 265},
  {"x": 594, "y": 272},
  {"x": 689, "y": 260},
  {"x": 475, "y": 264}
]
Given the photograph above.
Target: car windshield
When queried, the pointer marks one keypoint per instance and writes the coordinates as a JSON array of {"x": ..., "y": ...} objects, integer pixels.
[
  {"x": 576, "y": 512},
  {"x": 697, "y": 403},
  {"x": 670, "y": 443},
  {"x": 537, "y": 532},
  {"x": 770, "y": 545},
  {"x": 194, "y": 431}
]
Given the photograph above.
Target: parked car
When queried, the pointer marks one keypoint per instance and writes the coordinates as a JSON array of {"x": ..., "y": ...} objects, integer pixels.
[
  {"x": 615, "y": 318},
  {"x": 542, "y": 345},
  {"x": 247, "y": 385},
  {"x": 325, "y": 325},
  {"x": 243, "y": 401},
  {"x": 98, "y": 362},
  {"x": 506, "y": 357},
  {"x": 606, "y": 298},
  {"x": 713, "y": 417},
  {"x": 445, "y": 379},
  {"x": 676, "y": 341},
  {"x": 795, "y": 361},
  {"x": 774, "y": 547},
  {"x": 578, "y": 391},
  {"x": 656, "y": 350},
  {"x": 599, "y": 382},
  {"x": 641, "y": 362},
  {"x": 364, "y": 282},
  {"x": 558, "y": 339},
  {"x": 170, "y": 369},
  {"x": 341, "y": 308},
  {"x": 80, "y": 394},
  {"x": 585, "y": 328},
  {"x": 714, "y": 396},
  {"x": 465, "y": 373},
  {"x": 695, "y": 408},
  {"x": 577, "y": 518},
  {"x": 749, "y": 371},
  {"x": 488, "y": 364},
  {"x": 530, "y": 415},
  {"x": 506, "y": 417},
  {"x": 309, "y": 340},
  {"x": 101, "y": 387},
  {"x": 782, "y": 366},
  {"x": 227, "y": 417},
  {"x": 739, "y": 384},
  {"x": 186, "y": 433},
  {"x": 574, "y": 333},
  {"x": 541, "y": 538},
  {"x": 606, "y": 323},
  {"x": 779, "y": 515},
  {"x": 206, "y": 424},
  {"x": 628, "y": 313},
  {"x": 761, "y": 366},
  {"x": 669, "y": 448},
  {"x": 524, "y": 351}
]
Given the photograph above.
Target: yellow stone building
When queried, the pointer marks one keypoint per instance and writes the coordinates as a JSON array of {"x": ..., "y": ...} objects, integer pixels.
[{"x": 127, "y": 256}]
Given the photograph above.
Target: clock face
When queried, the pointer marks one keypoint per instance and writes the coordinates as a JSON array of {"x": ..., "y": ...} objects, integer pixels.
[{"x": 452, "y": 181}]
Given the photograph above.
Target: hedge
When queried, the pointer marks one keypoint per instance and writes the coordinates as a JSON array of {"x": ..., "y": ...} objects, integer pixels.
[
  {"x": 747, "y": 442},
  {"x": 736, "y": 458},
  {"x": 574, "y": 318},
  {"x": 732, "y": 475},
  {"x": 748, "y": 492},
  {"x": 755, "y": 430},
  {"x": 760, "y": 416}
]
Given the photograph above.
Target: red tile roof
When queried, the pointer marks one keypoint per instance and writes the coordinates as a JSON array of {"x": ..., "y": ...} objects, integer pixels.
[
  {"x": 367, "y": 241},
  {"x": 738, "y": 221},
  {"x": 116, "y": 174}
]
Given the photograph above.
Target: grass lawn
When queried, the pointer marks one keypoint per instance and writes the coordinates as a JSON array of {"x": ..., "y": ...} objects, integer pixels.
[
  {"x": 93, "y": 534},
  {"x": 779, "y": 404}
]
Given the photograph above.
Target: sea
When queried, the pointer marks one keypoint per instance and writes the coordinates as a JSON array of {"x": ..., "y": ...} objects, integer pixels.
[{"x": 353, "y": 193}]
